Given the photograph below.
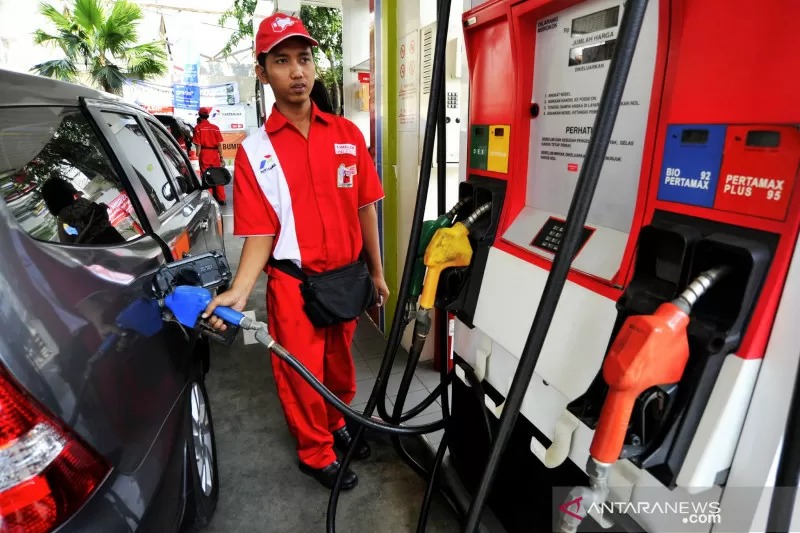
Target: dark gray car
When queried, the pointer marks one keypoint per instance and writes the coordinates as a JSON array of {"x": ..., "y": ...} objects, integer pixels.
[{"x": 104, "y": 419}]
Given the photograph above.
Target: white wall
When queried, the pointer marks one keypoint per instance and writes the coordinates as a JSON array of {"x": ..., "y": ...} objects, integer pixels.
[
  {"x": 356, "y": 20},
  {"x": 412, "y": 16}
]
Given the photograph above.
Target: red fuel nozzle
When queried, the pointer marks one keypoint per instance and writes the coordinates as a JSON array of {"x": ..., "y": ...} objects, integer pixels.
[{"x": 648, "y": 351}]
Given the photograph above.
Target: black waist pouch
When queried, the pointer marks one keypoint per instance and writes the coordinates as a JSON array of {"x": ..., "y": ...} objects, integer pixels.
[{"x": 335, "y": 296}]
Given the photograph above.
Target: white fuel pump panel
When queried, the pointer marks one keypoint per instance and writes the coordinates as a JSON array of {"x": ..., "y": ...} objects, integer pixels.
[{"x": 572, "y": 58}]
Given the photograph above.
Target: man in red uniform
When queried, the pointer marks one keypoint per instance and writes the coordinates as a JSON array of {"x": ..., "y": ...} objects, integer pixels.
[
  {"x": 305, "y": 191},
  {"x": 208, "y": 139}
]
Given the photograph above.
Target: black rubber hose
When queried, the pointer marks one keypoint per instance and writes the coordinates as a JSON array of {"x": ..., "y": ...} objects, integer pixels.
[
  {"x": 440, "y": 327},
  {"x": 402, "y": 392},
  {"x": 787, "y": 478},
  {"x": 346, "y": 410},
  {"x": 441, "y": 322},
  {"x": 581, "y": 202},
  {"x": 422, "y": 523},
  {"x": 408, "y": 267},
  {"x": 435, "y": 393},
  {"x": 444, "y": 363}
]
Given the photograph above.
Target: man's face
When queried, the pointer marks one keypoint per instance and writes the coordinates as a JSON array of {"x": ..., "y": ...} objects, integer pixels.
[{"x": 289, "y": 71}]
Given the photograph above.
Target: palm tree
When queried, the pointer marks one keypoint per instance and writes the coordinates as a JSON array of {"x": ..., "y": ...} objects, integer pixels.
[{"x": 103, "y": 44}]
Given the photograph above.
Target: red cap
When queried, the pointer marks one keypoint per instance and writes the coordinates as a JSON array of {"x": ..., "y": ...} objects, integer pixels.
[
  {"x": 204, "y": 111},
  {"x": 276, "y": 29}
]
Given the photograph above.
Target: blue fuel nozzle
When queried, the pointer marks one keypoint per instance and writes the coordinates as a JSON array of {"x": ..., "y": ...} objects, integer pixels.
[{"x": 187, "y": 304}]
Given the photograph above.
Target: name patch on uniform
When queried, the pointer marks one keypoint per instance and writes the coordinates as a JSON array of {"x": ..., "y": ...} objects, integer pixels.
[
  {"x": 345, "y": 175},
  {"x": 345, "y": 149}
]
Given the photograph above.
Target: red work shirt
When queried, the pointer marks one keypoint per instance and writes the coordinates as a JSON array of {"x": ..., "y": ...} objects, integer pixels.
[
  {"x": 310, "y": 201},
  {"x": 208, "y": 136}
]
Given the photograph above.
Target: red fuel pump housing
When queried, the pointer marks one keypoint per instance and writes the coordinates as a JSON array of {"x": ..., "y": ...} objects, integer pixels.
[{"x": 724, "y": 85}]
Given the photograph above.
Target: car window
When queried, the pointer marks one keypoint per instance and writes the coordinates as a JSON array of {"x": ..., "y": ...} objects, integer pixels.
[
  {"x": 141, "y": 155},
  {"x": 176, "y": 165},
  {"x": 58, "y": 182}
]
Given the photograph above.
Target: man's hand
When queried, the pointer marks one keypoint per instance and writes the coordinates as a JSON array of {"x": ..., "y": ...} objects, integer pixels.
[
  {"x": 381, "y": 289},
  {"x": 255, "y": 253},
  {"x": 234, "y": 298}
]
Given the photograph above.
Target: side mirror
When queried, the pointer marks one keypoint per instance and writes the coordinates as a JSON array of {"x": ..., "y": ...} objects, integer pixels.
[
  {"x": 215, "y": 176},
  {"x": 168, "y": 192}
]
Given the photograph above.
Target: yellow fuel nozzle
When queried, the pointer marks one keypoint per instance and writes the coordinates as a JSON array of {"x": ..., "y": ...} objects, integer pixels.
[{"x": 449, "y": 247}]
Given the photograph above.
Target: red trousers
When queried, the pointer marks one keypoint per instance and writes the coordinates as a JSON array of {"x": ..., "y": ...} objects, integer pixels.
[
  {"x": 212, "y": 159},
  {"x": 326, "y": 353}
]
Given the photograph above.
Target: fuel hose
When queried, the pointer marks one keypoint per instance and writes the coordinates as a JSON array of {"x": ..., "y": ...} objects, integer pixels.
[{"x": 395, "y": 333}]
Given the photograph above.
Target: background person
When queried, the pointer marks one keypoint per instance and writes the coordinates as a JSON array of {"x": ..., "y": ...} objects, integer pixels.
[{"x": 208, "y": 139}]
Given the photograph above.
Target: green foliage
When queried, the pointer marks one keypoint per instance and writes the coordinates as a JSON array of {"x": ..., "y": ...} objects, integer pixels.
[
  {"x": 103, "y": 44},
  {"x": 323, "y": 23},
  {"x": 242, "y": 12}
]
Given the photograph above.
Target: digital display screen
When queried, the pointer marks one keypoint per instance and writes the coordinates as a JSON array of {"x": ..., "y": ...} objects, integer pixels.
[
  {"x": 602, "y": 20},
  {"x": 763, "y": 139},
  {"x": 583, "y": 55},
  {"x": 694, "y": 136}
]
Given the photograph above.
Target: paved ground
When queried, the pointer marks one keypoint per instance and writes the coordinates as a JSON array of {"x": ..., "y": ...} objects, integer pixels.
[{"x": 261, "y": 488}]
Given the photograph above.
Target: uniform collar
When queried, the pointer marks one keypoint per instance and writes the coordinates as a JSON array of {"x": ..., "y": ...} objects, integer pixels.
[{"x": 276, "y": 120}]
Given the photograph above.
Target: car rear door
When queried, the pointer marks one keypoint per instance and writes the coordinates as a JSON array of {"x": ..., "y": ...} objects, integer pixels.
[
  {"x": 195, "y": 199},
  {"x": 185, "y": 217}
]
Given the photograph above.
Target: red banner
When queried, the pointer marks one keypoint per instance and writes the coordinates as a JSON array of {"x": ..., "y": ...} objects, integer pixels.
[{"x": 160, "y": 110}]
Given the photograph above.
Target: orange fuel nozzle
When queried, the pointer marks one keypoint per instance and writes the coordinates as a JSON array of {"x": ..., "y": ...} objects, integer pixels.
[{"x": 648, "y": 351}]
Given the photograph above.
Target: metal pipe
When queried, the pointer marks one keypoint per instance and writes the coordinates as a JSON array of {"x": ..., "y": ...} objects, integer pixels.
[
  {"x": 698, "y": 287},
  {"x": 477, "y": 214},
  {"x": 442, "y": 329},
  {"x": 787, "y": 478},
  {"x": 613, "y": 89}
]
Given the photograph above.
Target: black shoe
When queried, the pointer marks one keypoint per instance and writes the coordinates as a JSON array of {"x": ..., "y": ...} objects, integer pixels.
[
  {"x": 327, "y": 476},
  {"x": 342, "y": 440}
]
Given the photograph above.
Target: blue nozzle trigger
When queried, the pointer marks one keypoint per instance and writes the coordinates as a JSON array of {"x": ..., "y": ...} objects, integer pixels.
[{"x": 229, "y": 315}]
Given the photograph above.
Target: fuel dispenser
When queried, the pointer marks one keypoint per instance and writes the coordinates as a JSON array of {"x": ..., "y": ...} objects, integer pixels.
[{"x": 698, "y": 177}]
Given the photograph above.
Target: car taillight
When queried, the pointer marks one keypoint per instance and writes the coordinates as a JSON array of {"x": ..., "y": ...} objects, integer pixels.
[{"x": 46, "y": 472}]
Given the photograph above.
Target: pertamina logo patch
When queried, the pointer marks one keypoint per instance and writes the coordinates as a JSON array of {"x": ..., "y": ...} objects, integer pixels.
[
  {"x": 345, "y": 176},
  {"x": 280, "y": 24},
  {"x": 345, "y": 149},
  {"x": 267, "y": 164}
]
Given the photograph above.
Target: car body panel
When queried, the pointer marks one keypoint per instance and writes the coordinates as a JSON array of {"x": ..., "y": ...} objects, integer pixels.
[
  {"x": 70, "y": 297},
  {"x": 121, "y": 501}
]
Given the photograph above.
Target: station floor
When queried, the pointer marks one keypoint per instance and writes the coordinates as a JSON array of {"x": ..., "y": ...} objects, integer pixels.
[{"x": 261, "y": 487}]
